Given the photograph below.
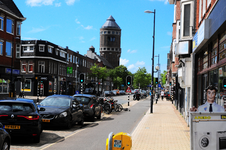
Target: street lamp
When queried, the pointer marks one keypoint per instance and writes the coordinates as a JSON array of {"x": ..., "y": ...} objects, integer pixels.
[{"x": 152, "y": 76}]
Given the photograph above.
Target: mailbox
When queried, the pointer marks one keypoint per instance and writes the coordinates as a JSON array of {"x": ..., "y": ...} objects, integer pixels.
[{"x": 119, "y": 141}]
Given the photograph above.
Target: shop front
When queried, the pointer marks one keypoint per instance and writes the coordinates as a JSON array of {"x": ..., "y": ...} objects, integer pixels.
[{"x": 209, "y": 48}]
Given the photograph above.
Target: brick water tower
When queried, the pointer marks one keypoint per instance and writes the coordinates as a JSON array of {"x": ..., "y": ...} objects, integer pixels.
[{"x": 110, "y": 42}]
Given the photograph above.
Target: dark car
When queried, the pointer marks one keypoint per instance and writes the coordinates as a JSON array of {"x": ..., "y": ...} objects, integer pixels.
[
  {"x": 61, "y": 110},
  {"x": 5, "y": 139},
  {"x": 92, "y": 108},
  {"x": 21, "y": 118}
]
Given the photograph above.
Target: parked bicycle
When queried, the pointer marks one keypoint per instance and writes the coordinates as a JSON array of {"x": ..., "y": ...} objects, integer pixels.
[{"x": 109, "y": 105}]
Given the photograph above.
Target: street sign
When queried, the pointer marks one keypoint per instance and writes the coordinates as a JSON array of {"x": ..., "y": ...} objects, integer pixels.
[
  {"x": 128, "y": 90},
  {"x": 159, "y": 85}
]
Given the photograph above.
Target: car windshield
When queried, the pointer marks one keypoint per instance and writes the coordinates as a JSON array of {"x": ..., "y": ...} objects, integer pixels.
[
  {"x": 56, "y": 101},
  {"x": 6, "y": 107},
  {"x": 83, "y": 100}
]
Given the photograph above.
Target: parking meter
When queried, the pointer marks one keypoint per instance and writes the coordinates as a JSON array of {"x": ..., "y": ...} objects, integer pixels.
[{"x": 119, "y": 141}]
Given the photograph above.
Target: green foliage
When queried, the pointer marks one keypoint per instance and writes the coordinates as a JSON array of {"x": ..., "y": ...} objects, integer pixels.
[
  {"x": 141, "y": 78},
  {"x": 163, "y": 76}
]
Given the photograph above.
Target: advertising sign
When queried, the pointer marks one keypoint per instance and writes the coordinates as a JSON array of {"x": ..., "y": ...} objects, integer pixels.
[
  {"x": 69, "y": 70},
  {"x": 208, "y": 131}
]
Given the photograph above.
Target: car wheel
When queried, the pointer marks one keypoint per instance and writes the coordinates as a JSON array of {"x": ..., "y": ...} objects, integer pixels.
[
  {"x": 5, "y": 145},
  {"x": 69, "y": 124},
  {"x": 81, "y": 122},
  {"x": 99, "y": 117},
  {"x": 37, "y": 138}
]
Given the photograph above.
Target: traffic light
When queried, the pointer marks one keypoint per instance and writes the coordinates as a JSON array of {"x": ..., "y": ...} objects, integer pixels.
[
  {"x": 82, "y": 76},
  {"x": 156, "y": 80},
  {"x": 128, "y": 80}
]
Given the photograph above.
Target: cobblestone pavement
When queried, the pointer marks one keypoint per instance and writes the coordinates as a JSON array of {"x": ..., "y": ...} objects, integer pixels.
[{"x": 164, "y": 129}]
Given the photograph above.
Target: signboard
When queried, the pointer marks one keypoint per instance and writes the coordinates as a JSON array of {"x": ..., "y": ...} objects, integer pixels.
[
  {"x": 208, "y": 131},
  {"x": 69, "y": 70},
  {"x": 15, "y": 71},
  {"x": 128, "y": 90}
]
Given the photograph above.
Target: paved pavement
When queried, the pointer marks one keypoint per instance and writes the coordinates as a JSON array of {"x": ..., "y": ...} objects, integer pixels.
[{"x": 164, "y": 129}]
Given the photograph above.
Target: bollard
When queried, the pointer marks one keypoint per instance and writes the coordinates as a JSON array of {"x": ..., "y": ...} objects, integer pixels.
[
  {"x": 128, "y": 99},
  {"x": 119, "y": 141}
]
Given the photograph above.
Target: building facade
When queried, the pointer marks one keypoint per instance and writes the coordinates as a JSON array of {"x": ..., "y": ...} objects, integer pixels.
[{"x": 10, "y": 39}]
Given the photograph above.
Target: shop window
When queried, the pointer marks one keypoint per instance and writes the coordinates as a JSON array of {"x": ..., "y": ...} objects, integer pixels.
[
  {"x": 222, "y": 46},
  {"x": 50, "y": 86},
  {"x": 214, "y": 53},
  {"x": 4, "y": 86},
  {"x": 205, "y": 59},
  {"x": 27, "y": 85}
]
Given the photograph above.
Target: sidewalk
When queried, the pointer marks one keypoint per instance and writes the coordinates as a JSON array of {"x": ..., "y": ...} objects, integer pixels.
[{"x": 164, "y": 129}]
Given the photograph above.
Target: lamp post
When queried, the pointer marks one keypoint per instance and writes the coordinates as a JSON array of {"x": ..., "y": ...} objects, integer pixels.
[{"x": 152, "y": 76}]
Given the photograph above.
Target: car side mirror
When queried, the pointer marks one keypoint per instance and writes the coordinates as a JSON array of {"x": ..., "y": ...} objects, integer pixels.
[
  {"x": 1, "y": 125},
  {"x": 41, "y": 109}
]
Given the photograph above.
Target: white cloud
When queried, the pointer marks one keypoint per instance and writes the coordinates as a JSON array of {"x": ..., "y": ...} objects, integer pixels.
[
  {"x": 165, "y": 1},
  {"x": 88, "y": 27},
  {"x": 94, "y": 38},
  {"x": 140, "y": 63},
  {"x": 39, "y": 2},
  {"x": 131, "y": 51},
  {"x": 169, "y": 33},
  {"x": 123, "y": 61},
  {"x": 81, "y": 38},
  {"x": 70, "y": 2},
  {"x": 132, "y": 67},
  {"x": 76, "y": 20},
  {"x": 36, "y": 30},
  {"x": 57, "y": 4}
]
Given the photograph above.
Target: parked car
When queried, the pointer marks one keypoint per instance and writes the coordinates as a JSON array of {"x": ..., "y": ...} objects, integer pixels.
[
  {"x": 107, "y": 93},
  {"x": 117, "y": 91},
  {"x": 21, "y": 117},
  {"x": 61, "y": 110},
  {"x": 92, "y": 108},
  {"x": 114, "y": 93},
  {"x": 5, "y": 139},
  {"x": 122, "y": 92}
]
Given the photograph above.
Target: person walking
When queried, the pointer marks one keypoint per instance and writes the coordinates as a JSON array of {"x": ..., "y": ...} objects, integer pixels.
[{"x": 162, "y": 94}]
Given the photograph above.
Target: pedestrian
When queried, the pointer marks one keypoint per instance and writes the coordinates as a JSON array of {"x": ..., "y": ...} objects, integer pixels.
[
  {"x": 162, "y": 94},
  {"x": 210, "y": 105}
]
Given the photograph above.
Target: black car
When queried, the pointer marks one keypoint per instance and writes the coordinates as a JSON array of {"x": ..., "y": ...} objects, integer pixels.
[
  {"x": 21, "y": 118},
  {"x": 5, "y": 138},
  {"x": 61, "y": 110},
  {"x": 92, "y": 108}
]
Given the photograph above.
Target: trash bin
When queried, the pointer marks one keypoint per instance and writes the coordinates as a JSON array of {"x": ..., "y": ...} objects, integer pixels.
[{"x": 119, "y": 141}]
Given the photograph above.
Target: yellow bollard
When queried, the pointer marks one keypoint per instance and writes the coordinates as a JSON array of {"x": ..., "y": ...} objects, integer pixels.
[{"x": 119, "y": 141}]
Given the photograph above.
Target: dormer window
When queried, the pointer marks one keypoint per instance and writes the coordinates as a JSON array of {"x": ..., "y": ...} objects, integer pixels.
[
  {"x": 50, "y": 49},
  {"x": 41, "y": 48},
  {"x": 28, "y": 48}
]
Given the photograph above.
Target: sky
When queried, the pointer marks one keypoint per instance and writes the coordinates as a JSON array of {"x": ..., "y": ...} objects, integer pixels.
[{"x": 77, "y": 23}]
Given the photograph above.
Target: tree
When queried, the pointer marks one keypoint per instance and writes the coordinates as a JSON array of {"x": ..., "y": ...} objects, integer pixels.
[
  {"x": 141, "y": 78},
  {"x": 122, "y": 72},
  {"x": 163, "y": 76},
  {"x": 99, "y": 72}
]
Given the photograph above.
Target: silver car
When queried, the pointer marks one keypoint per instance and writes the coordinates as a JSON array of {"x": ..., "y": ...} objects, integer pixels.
[{"x": 5, "y": 138}]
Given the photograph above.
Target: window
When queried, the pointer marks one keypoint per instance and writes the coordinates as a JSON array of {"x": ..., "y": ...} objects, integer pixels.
[
  {"x": 222, "y": 46},
  {"x": 4, "y": 86},
  {"x": 214, "y": 53},
  {"x": 41, "y": 67},
  {"x": 70, "y": 58},
  {"x": 205, "y": 59},
  {"x": 30, "y": 66},
  {"x": 24, "y": 66},
  {"x": 28, "y": 48},
  {"x": 1, "y": 23},
  {"x": 9, "y": 26},
  {"x": 200, "y": 9},
  {"x": 50, "y": 49},
  {"x": 57, "y": 50},
  {"x": 18, "y": 27},
  {"x": 18, "y": 51},
  {"x": 41, "y": 48},
  {"x": 73, "y": 59},
  {"x": 8, "y": 49},
  {"x": 27, "y": 85},
  {"x": 1, "y": 47},
  {"x": 204, "y": 7},
  {"x": 67, "y": 57},
  {"x": 186, "y": 19}
]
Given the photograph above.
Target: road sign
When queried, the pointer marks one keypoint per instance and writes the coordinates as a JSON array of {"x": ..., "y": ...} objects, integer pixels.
[
  {"x": 159, "y": 85},
  {"x": 128, "y": 90}
]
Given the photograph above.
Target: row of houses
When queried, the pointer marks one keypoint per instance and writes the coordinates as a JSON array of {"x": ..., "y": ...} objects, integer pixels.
[
  {"x": 39, "y": 67},
  {"x": 197, "y": 57}
]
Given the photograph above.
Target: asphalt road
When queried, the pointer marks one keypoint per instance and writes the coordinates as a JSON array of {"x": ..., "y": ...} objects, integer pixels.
[{"x": 93, "y": 135}]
